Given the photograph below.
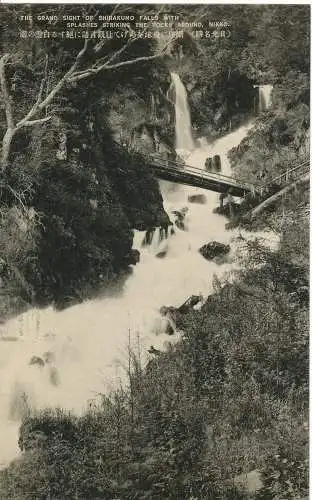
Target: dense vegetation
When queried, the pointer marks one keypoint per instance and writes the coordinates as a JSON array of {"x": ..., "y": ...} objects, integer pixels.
[
  {"x": 69, "y": 190},
  {"x": 231, "y": 397}
]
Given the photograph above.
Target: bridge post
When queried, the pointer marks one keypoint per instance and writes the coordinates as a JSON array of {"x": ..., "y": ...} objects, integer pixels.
[
  {"x": 221, "y": 199},
  {"x": 230, "y": 203}
]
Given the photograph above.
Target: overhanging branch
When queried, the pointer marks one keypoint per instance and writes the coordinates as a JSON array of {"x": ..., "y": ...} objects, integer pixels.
[{"x": 81, "y": 75}]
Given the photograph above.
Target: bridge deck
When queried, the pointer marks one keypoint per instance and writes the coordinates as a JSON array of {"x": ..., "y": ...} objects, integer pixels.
[{"x": 185, "y": 174}]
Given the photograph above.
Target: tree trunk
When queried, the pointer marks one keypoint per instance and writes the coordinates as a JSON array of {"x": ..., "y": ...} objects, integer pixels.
[
  {"x": 6, "y": 147},
  {"x": 274, "y": 197}
]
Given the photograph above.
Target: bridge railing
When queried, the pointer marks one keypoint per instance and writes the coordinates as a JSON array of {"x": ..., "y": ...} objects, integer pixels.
[
  {"x": 288, "y": 175},
  {"x": 169, "y": 165}
]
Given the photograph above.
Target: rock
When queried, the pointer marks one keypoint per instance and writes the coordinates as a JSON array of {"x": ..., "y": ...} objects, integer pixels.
[
  {"x": 216, "y": 163},
  {"x": 209, "y": 164},
  {"x": 190, "y": 303},
  {"x": 213, "y": 164},
  {"x": 133, "y": 257},
  {"x": 214, "y": 249},
  {"x": 36, "y": 360},
  {"x": 162, "y": 253},
  {"x": 152, "y": 350},
  {"x": 175, "y": 314},
  {"x": 197, "y": 198}
]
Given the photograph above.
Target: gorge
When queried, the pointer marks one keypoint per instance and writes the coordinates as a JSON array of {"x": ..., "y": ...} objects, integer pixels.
[{"x": 153, "y": 341}]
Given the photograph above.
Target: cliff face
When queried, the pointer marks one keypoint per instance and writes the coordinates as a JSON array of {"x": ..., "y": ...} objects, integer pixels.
[{"x": 90, "y": 193}]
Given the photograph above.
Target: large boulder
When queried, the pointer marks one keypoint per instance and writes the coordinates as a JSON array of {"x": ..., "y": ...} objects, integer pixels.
[
  {"x": 197, "y": 198},
  {"x": 214, "y": 249},
  {"x": 209, "y": 164},
  {"x": 133, "y": 257},
  {"x": 213, "y": 164},
  {"x": 216, "y": 163}
]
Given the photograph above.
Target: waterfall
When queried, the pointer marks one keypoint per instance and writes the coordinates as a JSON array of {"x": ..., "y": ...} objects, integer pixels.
[
  {"x": 183, "y": 128},
  {"x": 265, "y": 101},
  {"x": 153, "y": 108}
]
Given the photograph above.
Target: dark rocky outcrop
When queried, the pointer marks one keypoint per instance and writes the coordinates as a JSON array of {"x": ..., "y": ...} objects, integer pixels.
[
  {"x": 214, "y": 249},
  {"x": 175, "y": 314},
  {"x": 209, "y": 164},
  {"x": 217, "y": 163},
  {"x": 213, "y": 164},
  {"x": 133, "y": 257},
  {"x": 197, "y": 198},
  {"x": 192, "y": 301}
]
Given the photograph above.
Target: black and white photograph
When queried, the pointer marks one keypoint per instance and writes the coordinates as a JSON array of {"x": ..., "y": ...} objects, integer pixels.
[{"x": 154, "y": 251}]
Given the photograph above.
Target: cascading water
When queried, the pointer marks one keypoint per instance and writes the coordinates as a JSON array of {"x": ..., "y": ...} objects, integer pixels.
[
  {"x": 84, "y": 347},
  {"x": 183, "y": 128},
  {"x": 265, "y": 100}
]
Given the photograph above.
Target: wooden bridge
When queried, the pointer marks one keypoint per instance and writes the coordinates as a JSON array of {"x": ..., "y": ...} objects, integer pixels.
[
  {"x": 185, "y": 174},
  {"x": 181, "y": 173}
]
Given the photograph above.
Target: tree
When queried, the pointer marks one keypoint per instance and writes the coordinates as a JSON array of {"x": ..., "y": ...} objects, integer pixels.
[{"x": 91, "y": 60}]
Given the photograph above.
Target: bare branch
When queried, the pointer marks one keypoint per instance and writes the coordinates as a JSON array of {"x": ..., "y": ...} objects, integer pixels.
[
  {"x": 106, "y": 66},
  {"x": 138, "y": 59},
  {"x": 65, "y": 78},
  {"x": 6, "y": 95},
  {"x": 30, "y": 123},
  {"x": 34, "y": 109}
]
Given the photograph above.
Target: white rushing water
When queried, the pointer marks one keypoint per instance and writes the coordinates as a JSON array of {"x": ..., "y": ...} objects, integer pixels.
[
  {"x": 89, "y": 341},
  {"x": 184, "y": 139},
  {"x": 265, "y": 97}
]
